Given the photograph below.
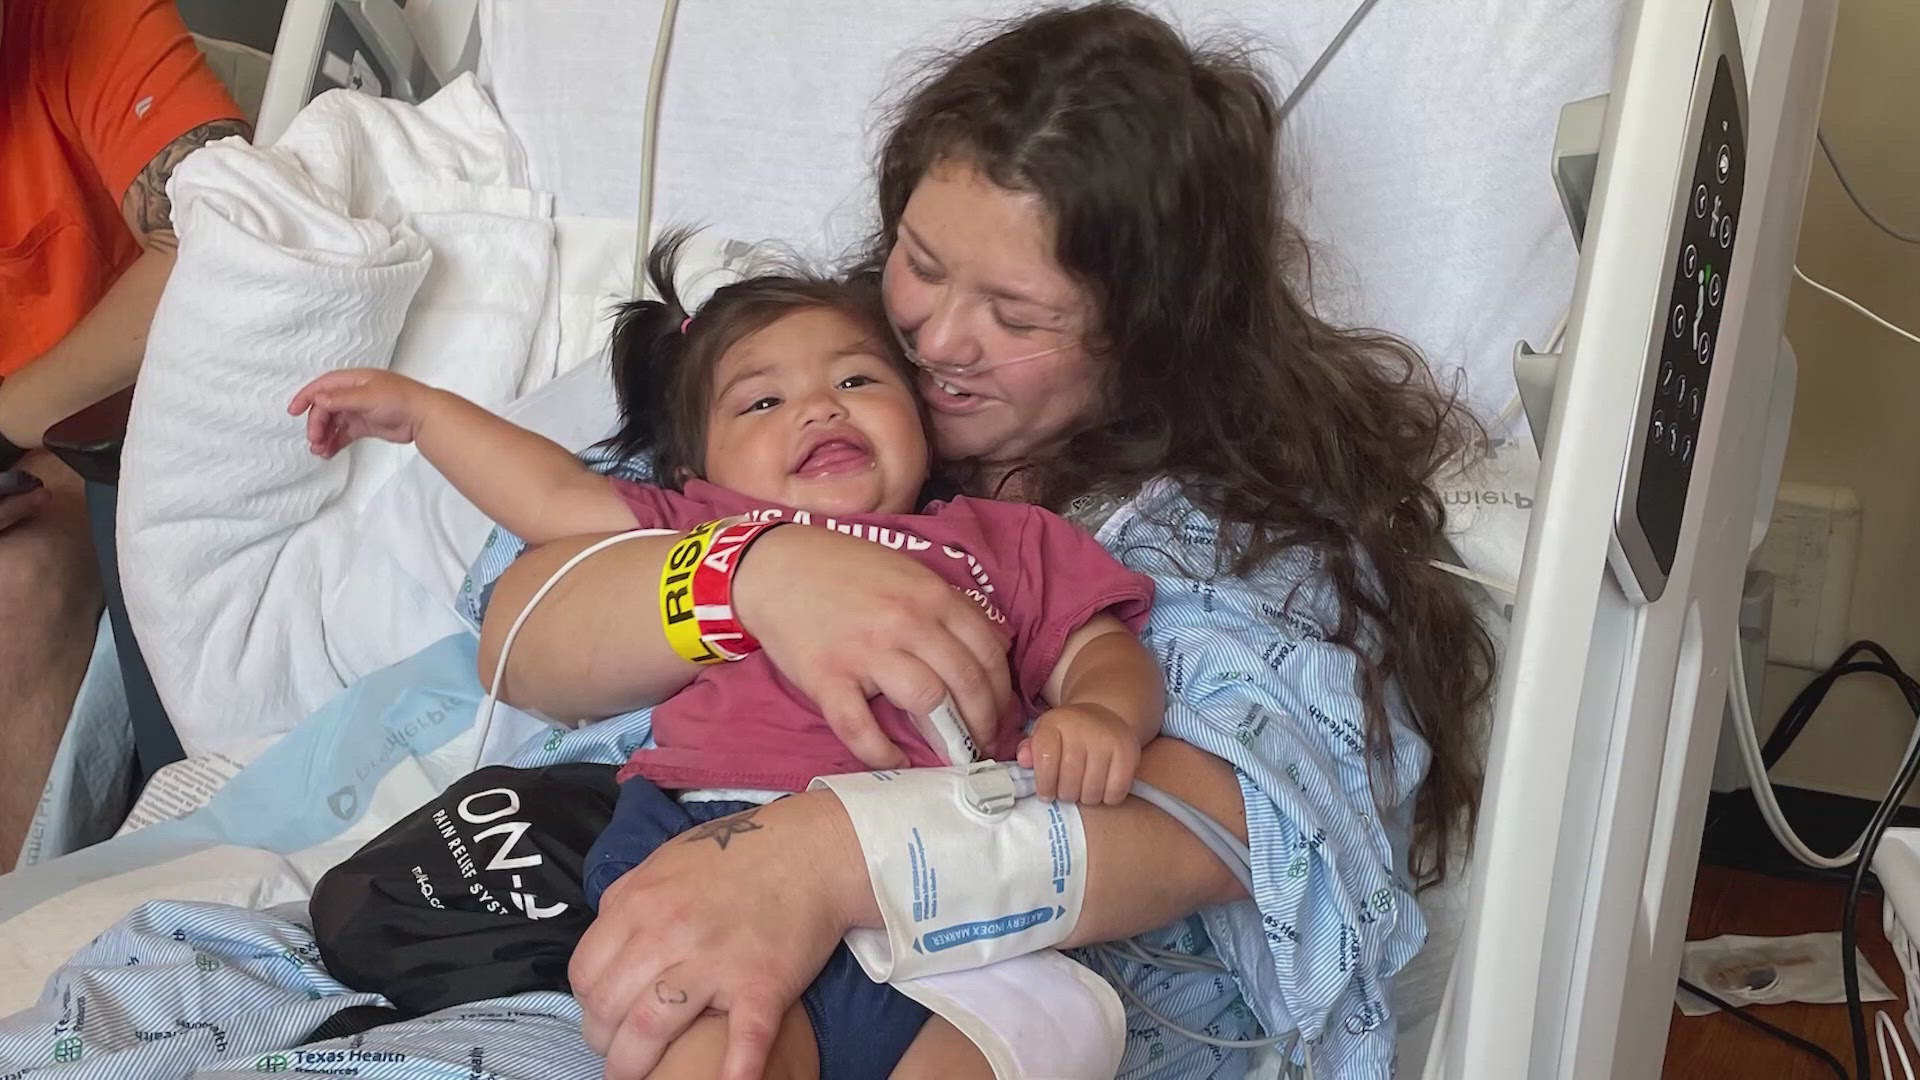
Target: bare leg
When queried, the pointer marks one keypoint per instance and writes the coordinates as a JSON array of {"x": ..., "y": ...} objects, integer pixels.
[
  {"x": 698, "y": 1053},
  {"x": 49, "y": 609},
  {"x": 940, "y": 1052}
]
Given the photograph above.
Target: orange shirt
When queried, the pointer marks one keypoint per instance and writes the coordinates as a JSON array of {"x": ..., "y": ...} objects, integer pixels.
[{"x": 90, "y": 91}]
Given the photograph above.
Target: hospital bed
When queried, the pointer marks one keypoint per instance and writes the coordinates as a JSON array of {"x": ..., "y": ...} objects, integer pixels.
[{"x": 1450, "y": 199}]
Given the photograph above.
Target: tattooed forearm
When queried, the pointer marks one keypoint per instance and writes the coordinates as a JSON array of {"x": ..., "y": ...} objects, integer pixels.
[
  {"x": 723, "y": 830},
  {"x": 148, "y": 211}
]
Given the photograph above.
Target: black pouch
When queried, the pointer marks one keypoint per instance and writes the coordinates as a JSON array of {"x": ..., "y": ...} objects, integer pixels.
[{"x": 474, "y": 895}]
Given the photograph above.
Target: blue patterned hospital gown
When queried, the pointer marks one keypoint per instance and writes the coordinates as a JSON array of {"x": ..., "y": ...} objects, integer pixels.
[{"x": 1252, "y": 679}]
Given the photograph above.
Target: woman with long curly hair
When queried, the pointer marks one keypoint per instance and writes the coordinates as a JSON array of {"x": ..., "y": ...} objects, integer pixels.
[{"x": 1081, "y": 243}]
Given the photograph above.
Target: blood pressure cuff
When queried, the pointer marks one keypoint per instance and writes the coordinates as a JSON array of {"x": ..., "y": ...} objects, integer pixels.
[{"x": 475, "y": 895}]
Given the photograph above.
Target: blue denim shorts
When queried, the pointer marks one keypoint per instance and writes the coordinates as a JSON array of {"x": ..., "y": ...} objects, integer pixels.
[{"x": 862, "y": 1027}]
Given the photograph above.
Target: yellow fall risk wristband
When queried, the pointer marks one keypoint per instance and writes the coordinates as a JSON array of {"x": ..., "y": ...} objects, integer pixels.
[{"x": 676, "y": 595}]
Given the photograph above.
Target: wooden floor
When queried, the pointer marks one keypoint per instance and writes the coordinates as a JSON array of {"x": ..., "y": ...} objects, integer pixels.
[{"x": 1739, "y": 902}]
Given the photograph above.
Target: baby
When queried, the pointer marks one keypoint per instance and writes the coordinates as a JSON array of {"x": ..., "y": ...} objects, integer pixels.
[{"x": 787, "y": 399}]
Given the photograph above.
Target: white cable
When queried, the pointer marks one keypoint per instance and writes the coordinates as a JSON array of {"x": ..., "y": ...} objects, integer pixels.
[
  {"x": 1855, "y": 305},
  {"x": 506, "y": 645},
  {"x": 1500, "y": 585},
  {"x": 1882, "y": 1027},
  {"x": 1747, "y": 735},
  {"x": 649, "y": 139}
]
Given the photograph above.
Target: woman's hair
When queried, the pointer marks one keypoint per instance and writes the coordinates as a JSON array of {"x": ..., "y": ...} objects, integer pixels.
[
  {"x": 664, "y": 356},
  {"x": 1158, "y": 166}
]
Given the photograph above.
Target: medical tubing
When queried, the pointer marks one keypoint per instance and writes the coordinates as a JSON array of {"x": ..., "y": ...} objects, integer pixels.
[
  {"x": 1846, "y": 185},
  {"x": 649, "y": 140},
  {"x": 485, "y": 725},
  {"x": 1326, "y": 56},
  {"x": 1804, "y": 1045},
  {"x": 1114, "y": 976},
  {"x": 1225, "y": 846}
]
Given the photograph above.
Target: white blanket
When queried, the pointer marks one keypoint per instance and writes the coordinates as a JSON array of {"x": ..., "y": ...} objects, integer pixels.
[{"x": 373, "y": 233}]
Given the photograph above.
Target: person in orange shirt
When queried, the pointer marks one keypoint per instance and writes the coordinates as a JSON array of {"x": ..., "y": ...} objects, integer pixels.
[{"x": 99, "y": 100}]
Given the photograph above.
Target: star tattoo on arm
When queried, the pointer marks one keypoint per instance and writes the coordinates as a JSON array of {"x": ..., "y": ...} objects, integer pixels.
[{"x": 722, "y": 830}]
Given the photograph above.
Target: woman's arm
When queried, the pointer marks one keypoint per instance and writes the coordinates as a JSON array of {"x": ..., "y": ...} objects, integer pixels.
[
  {"x": 843, "y": 619},
  {"x": 744, "y": 927}
]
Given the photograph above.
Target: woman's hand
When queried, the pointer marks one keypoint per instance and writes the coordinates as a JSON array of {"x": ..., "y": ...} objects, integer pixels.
[
  {"x": 358, "y": 403},
  {"x": 845, "y": 619},
  {"x": 737, "y": 916}
]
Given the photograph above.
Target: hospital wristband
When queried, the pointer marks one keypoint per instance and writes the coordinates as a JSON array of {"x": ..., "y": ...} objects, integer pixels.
[
  {"x": 677, "y": 619},
  {"x": 720, "y": 628}
]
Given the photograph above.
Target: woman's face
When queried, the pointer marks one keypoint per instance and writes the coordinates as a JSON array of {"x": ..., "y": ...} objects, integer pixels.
[{"x": 972, "y": 282}]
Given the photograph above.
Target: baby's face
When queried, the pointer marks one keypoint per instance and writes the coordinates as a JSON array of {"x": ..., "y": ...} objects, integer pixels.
[{"x": 807, "y": 412}]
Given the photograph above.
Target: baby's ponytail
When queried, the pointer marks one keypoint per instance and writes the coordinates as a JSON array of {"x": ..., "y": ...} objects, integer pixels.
[{"x": 661, "y": 400}]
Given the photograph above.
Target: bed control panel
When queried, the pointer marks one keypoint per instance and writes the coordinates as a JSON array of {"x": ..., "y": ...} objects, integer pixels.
[
  {"x": 1697, "y": 297},
  {"x": 1681, "y": 354}
]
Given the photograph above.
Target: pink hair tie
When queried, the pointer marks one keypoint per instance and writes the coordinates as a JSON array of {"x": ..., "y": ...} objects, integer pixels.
[{"x": 684, "y": 323}]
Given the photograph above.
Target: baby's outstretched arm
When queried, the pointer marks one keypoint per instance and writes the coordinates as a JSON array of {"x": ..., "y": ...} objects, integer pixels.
[
  {"x": 528, "y": 483},
  {"x": 1108, "y": 695}
]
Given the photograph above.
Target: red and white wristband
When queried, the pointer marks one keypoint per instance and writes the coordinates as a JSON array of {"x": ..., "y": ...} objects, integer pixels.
[{"x": 713, "y": 589}]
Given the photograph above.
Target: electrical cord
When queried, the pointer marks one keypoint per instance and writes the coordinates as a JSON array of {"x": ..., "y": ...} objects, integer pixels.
[
  {"x": 1855, "y": 305},
  {"x": 1883, "y": 1026},
  {"x": 1803, "y": 1045},
  {"x": 1850, "y": 916},
  {"x": 1846, "y": 185},
  {"x": 1794, "y": 719},
  {"x": 1858, "y": 856},
  {"x": 1746, "y": 737}
]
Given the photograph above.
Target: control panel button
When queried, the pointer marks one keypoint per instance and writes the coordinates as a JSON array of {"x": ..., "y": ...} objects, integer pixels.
[
  {"x": 1693, "y": 402},
  {"x": 1704, "y": 347},
  {"x": 1724, "y": 231},
  {"x": 1690, "y": 262},
  {"x": 1700, "y": 201},
  {"x": 1666, "y": 373},
  {"x": 1722, "y": 162},
  {"x": 1659, "y": 427},
  {"x": 1679, "y": 320},
  {"x": 1713, "y": 287},
  {"x": 1686, "y": 449}
]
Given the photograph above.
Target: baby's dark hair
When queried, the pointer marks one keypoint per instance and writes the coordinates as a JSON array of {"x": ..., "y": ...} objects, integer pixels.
[{"x": 664, "y": 356}]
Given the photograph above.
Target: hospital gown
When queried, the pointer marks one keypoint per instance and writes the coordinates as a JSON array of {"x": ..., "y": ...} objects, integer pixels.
[{"x": 1252, "y": 678}]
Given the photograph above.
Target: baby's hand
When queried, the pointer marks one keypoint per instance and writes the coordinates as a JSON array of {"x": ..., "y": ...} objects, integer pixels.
[
  {"x": 355, "y": 403},
  {"x": 1081, "y": 754}
]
